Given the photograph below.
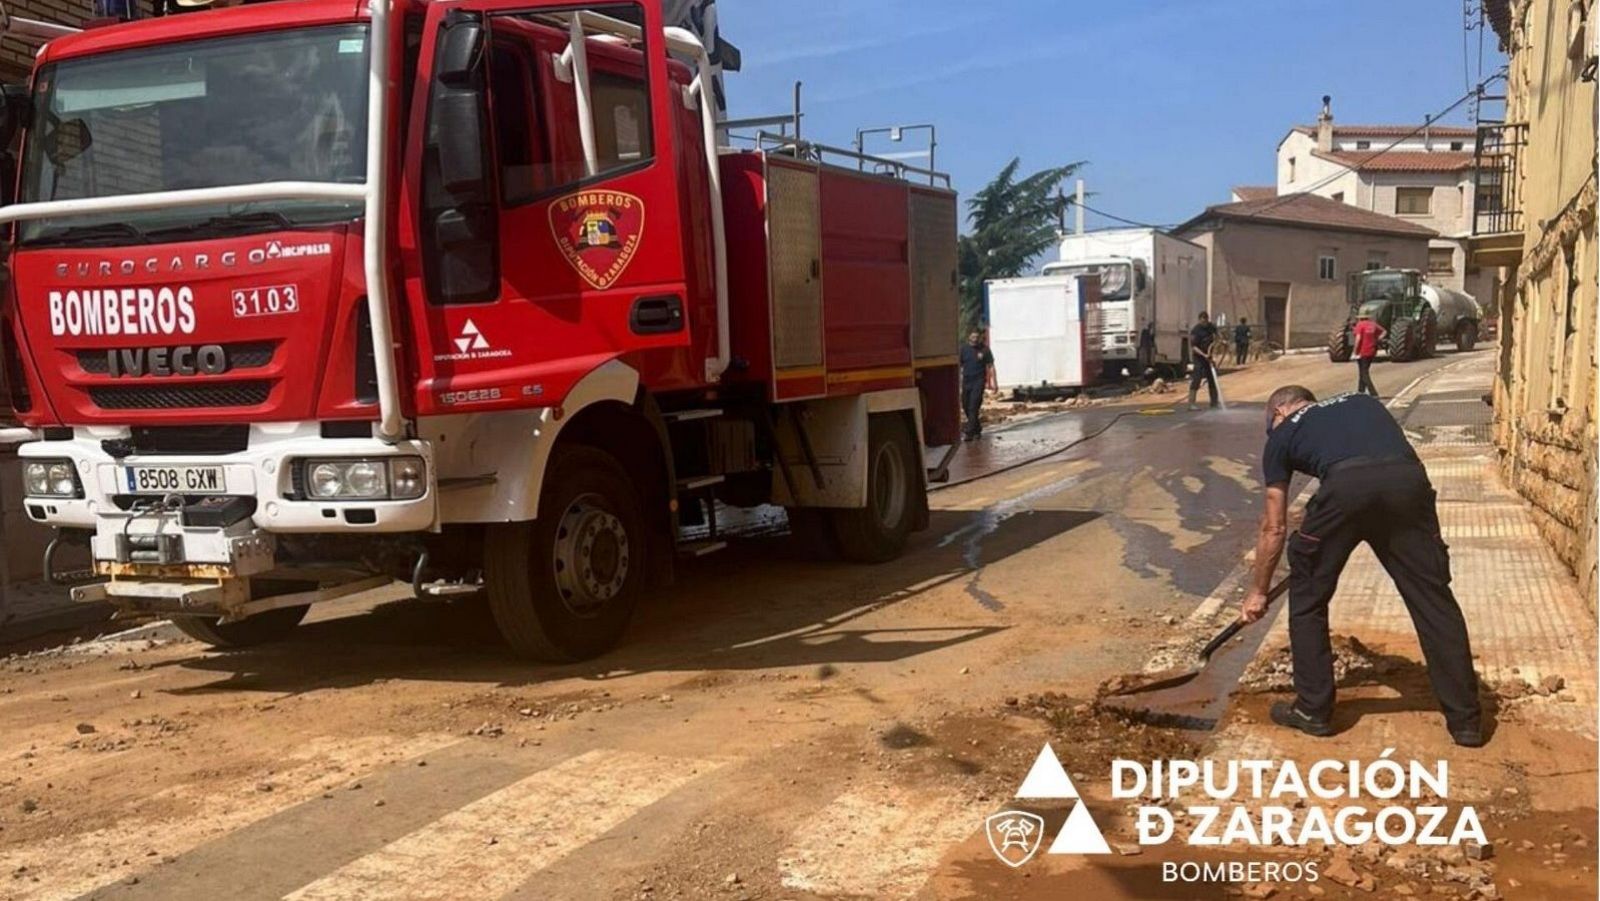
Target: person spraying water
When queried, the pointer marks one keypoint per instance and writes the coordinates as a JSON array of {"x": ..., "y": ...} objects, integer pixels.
[{"x": 1201, "y": 339}]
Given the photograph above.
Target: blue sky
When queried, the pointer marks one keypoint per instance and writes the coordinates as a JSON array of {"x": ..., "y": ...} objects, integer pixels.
[{"x": 1170, "y": 101}]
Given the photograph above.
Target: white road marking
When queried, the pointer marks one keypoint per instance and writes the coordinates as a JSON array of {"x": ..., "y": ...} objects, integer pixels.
[
  {"x": 490, "y": 846},
  {"x": 876, "y": 842},
  {"x": 71, "y": 865}
]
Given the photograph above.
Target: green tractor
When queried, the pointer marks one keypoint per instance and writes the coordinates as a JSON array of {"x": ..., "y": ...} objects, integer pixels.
[{"x": 1394, "y": 299}]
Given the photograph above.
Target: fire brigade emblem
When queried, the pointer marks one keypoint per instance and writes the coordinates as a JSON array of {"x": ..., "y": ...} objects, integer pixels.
[
  {"x": 1014, "y": 836},
  {"x": 598, "y": 233}
]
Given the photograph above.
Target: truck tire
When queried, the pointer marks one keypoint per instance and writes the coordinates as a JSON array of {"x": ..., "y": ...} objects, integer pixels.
[
  {"x": 1466, "y": 336},
  {"x": 1403, "y": 340},
  {"x": 563, "y": 587},
  {"x": 1339, "y": 349},
  {"x": 877, "y": 532},
  {"x": 263, "y": 628}
]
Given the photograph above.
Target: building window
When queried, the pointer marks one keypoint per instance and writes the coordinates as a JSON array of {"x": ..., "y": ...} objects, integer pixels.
[
  {"x": 1291, "y": 168},
  {"x": 1363, "y": 145},
  {"x": 1326, "y": 269},
  {"x": 1456, "y": 145},
  {"x": 1441, "y": 261},
  {"x": 1338, "y": 197},
  {"x": 1413, "y": 201},
  {"x": 1376, "y": 262}
]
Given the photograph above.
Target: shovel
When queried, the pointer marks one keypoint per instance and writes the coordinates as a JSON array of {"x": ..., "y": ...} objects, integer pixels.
[{"x": 1142, "y": 683}]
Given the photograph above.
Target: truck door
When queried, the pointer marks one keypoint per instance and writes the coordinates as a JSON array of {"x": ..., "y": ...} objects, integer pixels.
[{"x": 548, "y": 226}]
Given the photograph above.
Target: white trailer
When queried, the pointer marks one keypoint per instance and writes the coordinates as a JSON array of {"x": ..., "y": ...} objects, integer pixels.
[
  {"x": 1040, "y": 330},
  {"x": 1147, "y": 279}
]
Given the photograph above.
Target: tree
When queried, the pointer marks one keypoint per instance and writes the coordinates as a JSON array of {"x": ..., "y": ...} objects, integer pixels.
[{"x": 1012, "y": 223}]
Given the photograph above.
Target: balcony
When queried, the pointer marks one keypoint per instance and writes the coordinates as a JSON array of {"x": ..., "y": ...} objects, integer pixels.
[{"x": 1497, "y": 211}]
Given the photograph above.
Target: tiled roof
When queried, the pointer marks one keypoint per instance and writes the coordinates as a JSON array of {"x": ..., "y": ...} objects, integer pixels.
[
  {"x": 1391, "y": 131},
  {"x": 1401, "y": 160},
  {"x": 1311, "y": 211},
  {"x": 1254, "y": 192}
]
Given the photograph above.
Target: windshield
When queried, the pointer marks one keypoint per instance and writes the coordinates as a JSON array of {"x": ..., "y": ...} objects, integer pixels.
[
  {"x": 281, "y": 106},
  {"x": 1385, "y": 286},
  {"x": 1114, "y": 277}
]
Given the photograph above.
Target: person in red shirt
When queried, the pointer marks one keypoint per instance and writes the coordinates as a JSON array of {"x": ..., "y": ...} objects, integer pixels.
[{"x": 1367, "y": 335}]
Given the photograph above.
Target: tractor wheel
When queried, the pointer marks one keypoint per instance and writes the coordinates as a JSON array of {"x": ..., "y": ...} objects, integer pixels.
[
  {"x": 877, "y": 532},
  {"x": 1430, "y": 334},
  {"x": 563, "y": 587},
  {"x": 263, "y": 628},
  {"x": 1466, "y": 336},
  {"x": 1403, "y": 340},
  {"x": 1339, "y": 344}
]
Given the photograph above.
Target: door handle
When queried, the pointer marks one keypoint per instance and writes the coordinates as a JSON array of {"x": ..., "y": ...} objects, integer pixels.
[{"x": 658, "y": 315}]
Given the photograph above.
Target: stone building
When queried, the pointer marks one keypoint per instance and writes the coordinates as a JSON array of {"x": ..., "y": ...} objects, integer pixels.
[
  {"x": 1283, "y": 262},
  {"x": 1539, "y": 169}
]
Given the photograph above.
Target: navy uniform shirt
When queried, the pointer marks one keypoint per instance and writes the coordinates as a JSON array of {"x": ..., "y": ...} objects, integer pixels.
[
  {"x": 1201, "y": 336},
  {"x": 975, "y": 363},
  {"x": 1339, "y": 428}
]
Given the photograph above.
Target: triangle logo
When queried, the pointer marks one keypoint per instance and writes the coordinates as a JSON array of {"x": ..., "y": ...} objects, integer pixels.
[
  {"x": 1079, "y": 834},
  {"x": 1047, "y": 779},
  {"x": 471, "y": 338}
]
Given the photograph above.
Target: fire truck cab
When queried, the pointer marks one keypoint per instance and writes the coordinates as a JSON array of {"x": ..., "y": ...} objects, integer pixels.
[{"x": 306, "y": 296}]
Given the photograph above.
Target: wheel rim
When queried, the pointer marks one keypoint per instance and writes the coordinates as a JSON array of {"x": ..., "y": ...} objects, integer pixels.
[
  {"x": 889, "y": 485},
  {"x": 590, "y": 557}
]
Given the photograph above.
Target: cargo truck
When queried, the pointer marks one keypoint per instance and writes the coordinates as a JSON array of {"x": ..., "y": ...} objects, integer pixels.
[
  {"x": 1148, "y": 279},
  {"x": 304, "y": 297}
]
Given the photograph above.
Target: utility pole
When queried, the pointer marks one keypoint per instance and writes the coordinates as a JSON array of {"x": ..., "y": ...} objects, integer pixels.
[{"x": 1078, "y": 208}]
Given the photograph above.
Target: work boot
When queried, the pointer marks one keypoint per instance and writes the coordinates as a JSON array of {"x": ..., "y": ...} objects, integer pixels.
[
  {"x": 1285, "y": 713},
  {"x": 1192, "y": 404},
  {"x": 1467, "y": 738}
]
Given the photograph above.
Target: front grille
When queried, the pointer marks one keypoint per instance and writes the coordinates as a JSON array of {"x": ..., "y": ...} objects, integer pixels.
[
  {"x": 208, "y": 440},
  {"x": 241, "y": 355},
  {"x": 178, "y": 397}
]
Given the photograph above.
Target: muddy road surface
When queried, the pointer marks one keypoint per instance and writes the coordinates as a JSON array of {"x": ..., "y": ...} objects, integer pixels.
[{"x": 774, "y": 726}]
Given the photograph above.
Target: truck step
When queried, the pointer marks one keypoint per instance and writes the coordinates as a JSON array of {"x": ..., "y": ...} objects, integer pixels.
[
  {"x": 690, "y": 415},
  {"x": 700, "y": 548},
  {"x": 695, "y": 483}
]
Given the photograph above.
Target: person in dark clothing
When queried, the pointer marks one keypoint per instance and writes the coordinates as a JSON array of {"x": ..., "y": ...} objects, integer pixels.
[
  {"x": 1241, "y": 341},
  {"x": 975, "y": 362},
  {"x": 1201, "y": 337},
  {"x": 1147, "y": 347},
  {"x": 1372, "y": 489}
]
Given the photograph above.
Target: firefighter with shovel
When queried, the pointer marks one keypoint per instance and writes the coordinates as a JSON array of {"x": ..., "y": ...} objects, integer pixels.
[{"x": 1372, "y": 488}]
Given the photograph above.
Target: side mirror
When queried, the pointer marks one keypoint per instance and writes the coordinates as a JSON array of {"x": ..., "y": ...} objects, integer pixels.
[
  {"x": 16, "y": 109},
  {"x": 459, "y": 57},
  {"x": 461, "y": 234},
  {"x": 67, "y": 141}
]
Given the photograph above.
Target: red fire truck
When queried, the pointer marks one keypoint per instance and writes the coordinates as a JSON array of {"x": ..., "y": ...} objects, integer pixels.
[{"x": 307, "y": 296}]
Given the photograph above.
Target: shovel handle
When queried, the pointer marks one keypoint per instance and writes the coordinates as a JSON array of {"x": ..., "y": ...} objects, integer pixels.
[{"x": 1233, "y": 628}]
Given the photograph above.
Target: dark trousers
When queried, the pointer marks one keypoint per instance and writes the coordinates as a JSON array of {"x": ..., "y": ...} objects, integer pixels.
[
  {"x": 1241, "y": 350},
  {"x": 1364, "y": 377},
  {"x": 1389, "y": 504},
  {"x": 1203, "y": 371},
  {"x": 972, "y": 407}
]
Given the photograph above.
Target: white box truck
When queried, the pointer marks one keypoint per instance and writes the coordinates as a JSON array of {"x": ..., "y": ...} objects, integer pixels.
[
  {"x": 1040, "y": 330},
  {"x": 1147, "y": 279}
]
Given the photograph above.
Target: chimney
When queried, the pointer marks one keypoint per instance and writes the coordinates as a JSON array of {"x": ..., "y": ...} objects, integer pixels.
[{"x": 1325, "y": 125}]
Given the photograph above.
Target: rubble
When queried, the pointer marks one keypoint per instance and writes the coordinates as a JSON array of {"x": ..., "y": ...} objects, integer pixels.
[{"x": 1353, "y": 664}]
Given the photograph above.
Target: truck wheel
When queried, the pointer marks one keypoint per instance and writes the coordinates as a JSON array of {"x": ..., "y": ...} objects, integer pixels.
[
  {"x": 877, "y": 532},
  {"x": 1339, "y": 344},
  {"x": 1466, "y": 336},
  {"x": 1403, "y": 340},
  {"x": 563, "y": 587},
  {"x": 263, "y": 628}
]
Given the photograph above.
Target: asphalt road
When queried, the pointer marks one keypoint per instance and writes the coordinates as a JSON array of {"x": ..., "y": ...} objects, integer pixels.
[{"x": 774, "y": 726}]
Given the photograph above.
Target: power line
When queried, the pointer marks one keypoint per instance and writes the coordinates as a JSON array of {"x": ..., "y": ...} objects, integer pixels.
[{"x": 1115, "y": 218}]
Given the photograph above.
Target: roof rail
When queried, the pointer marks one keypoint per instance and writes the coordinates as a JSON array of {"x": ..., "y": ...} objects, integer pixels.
[{"x": 820, "y": 153}]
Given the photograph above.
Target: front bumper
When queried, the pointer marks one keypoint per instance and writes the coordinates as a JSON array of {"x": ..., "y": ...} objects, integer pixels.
[{"x": 137, "y": 534}]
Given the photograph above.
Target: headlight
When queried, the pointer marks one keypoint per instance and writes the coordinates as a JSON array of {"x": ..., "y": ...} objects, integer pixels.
[
  {"x": 50, "y": 478},
  {"x": 401, "y": 478}
]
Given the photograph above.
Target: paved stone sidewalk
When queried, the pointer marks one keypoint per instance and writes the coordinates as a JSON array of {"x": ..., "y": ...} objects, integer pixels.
[{"x": 1522, "y": 606}]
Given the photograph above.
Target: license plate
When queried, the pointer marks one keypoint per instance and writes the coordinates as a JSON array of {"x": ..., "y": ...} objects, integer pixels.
[{"x": 174, "y": 480}]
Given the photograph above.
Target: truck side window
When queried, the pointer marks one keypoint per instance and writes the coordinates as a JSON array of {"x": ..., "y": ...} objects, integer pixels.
[
  {"x": 542, "y": 152},
  {"x": 517, "y": 144}
]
